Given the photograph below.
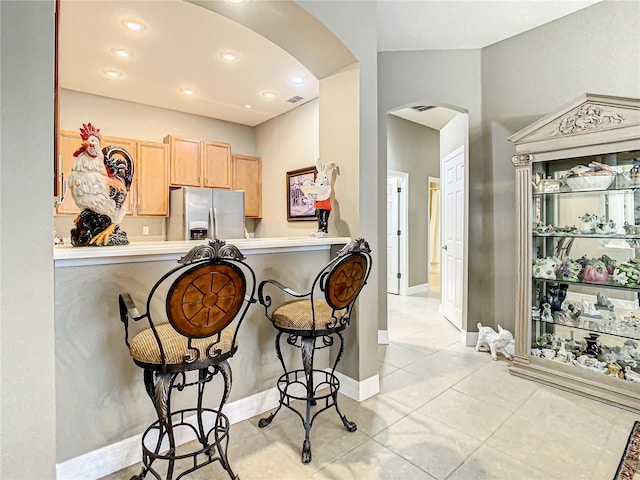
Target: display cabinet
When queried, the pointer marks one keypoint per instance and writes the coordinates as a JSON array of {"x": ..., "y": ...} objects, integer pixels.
[{"x": 578, "y": 238}]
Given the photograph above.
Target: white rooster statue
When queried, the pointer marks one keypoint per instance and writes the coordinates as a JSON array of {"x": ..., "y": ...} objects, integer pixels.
[{"x": 99, "y": 182}]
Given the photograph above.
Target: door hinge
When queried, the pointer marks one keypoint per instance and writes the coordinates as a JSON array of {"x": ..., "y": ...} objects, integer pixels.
[
  {"x": 399, "y": 189},
  {"x": 399, "y": 275},
  {"x": 399, "y": 233}
]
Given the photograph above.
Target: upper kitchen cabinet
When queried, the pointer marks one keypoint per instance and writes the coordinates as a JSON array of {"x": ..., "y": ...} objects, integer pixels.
[
  {"x": 68, "y": 143},
  {"x": 152, "y": 179},
  {"x": 198, "y": 163},
  {"x": 247, "y": 176},
  {"x": 185, "y": 161},
  {"x": 216, "y": 163}
]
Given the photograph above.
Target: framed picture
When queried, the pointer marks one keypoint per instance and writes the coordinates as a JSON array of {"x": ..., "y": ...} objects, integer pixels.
[{"x": 299, "y": 207}]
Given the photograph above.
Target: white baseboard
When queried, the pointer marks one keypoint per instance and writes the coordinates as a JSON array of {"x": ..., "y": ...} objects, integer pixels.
[
  {"x": 383, "y": 337},
  {"x": 424, "y": 287},
  {"x": 469, "y": 339},
  {"x": 359, "y": 391},
  {"x": 119, "y": 455}
]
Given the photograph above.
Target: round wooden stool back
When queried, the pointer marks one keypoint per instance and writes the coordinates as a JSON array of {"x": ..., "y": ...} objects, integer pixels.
[
  {"x": 346, "y": 280},
  {"x": 205, "y": 299}
]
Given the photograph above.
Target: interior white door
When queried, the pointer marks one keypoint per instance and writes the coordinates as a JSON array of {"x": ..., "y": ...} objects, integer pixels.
[
  {"x": 452, "y": 222},
  {"x": 393, "y": 239}
]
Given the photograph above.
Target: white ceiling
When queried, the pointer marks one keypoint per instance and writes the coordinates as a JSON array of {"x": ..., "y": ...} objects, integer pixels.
[{"x": 182, "y": 42}]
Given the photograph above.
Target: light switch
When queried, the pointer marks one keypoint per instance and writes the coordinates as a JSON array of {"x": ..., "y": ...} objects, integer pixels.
[{"x": 145, "y": 230}]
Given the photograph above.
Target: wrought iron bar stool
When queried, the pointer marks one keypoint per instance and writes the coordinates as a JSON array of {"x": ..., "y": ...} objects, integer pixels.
[
  {"x": 310, "y": 324},
  {"x": 208, "y": 296}
]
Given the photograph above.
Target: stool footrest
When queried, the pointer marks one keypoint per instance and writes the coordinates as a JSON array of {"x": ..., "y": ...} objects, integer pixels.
[
  {"x": 293, "y": 385},
  {"x": 155, "y": 445}
]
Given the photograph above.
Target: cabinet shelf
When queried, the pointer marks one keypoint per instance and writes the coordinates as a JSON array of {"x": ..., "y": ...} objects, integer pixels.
[
  {"x": 582, "y": 193},
  {"x": 618, "y": 236},
  {"x": 541, "y": 323},
  {"x": 588, "y": 284}
]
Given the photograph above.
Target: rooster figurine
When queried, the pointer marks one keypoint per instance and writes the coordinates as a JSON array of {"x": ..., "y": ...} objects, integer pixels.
[{"x": 99, "y": 182}]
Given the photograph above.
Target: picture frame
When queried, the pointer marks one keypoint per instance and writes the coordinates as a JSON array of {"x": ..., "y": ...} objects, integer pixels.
[{"x": 299, "y": 207}]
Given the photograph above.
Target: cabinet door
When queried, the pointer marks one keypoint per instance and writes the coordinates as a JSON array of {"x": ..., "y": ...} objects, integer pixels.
[
  {"x": 152, "y": 186},
  {"x": 216, "y": 161},
  {"x": 185, "y": 161},
  {"x": 247, "y": 176},
  {"x": 68, "y": 142},
  {"x": 130, "y": 146}
]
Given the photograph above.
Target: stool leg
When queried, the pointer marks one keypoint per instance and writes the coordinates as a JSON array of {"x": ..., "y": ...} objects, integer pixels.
[
  {"x": 225, "y": 370},
  {"x": 266, "y": 421},
  {"x": 307, "y": 349},
  {"x": 351, "y": 426}
]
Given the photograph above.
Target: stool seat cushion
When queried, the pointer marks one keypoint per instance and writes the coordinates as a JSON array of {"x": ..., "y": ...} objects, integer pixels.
[
  {"x": 297, "y": 315},
  {"x": 144, "y": 346}
]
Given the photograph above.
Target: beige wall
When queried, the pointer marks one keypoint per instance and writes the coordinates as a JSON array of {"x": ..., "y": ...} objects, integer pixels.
[
  {"x": 415, "y": 149},
  {"x": 287, "y": 142}
]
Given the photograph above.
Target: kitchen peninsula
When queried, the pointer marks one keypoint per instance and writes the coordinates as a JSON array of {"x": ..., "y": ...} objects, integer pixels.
[{"x": 100, "y": 389}]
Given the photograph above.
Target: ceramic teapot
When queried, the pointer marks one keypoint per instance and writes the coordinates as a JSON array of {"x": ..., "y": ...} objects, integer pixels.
[{"x": 588, "y": 223}]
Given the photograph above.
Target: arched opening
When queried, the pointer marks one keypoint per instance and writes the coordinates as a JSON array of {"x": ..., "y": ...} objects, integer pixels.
[{"x": 427, "y": 151}]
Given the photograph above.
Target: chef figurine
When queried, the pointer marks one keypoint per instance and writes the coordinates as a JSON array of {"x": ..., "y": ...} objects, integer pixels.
[{"x": 320, "y": 192}]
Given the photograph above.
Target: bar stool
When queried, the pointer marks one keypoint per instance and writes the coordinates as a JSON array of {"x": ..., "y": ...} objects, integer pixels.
[
  {"x": 310, "y": 324},
  {"x": 207, "y": 298}
]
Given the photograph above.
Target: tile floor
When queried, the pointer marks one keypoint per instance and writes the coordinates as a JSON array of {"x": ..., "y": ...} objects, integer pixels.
[{"x": 444, "y": 411}]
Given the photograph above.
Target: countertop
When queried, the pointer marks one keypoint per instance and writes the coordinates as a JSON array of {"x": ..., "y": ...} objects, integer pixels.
[{"x": 68, "y": 256}]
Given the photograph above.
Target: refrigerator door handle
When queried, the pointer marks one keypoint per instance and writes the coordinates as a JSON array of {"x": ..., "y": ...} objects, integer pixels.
[{"x": 212, "y": 217}]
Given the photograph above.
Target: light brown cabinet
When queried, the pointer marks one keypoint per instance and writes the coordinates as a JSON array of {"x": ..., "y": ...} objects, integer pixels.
[
  {"x": 68, "y": 143},
  {"x": 198, "y": 163},
  {"x": 149, "y": 192},
  {"x": 247, "y": 176},
  {"x": 152, "y": 179},
  {"x": 216, "y": 162}
]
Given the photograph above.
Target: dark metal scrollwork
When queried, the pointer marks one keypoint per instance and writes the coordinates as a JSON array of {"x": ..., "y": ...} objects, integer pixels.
[
  {"x": 215, "y": 249},
  {"x": 357, "y": 245}
]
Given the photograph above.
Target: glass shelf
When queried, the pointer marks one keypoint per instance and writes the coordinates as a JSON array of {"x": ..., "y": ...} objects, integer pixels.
[
  {"x": 619, "y": 236},
  {"x": 590, "y": 284},
  {"x": 632, "y": 336},
  {"x": 586, "y": 192}
]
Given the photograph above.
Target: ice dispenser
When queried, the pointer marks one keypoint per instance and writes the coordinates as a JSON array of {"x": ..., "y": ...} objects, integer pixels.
[{"x": 198, "y": 230}]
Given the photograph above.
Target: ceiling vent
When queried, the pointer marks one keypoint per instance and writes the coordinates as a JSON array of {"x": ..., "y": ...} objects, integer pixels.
[
  {"x": 295, "y": 99},
  {"x": 422, "y": 108}
]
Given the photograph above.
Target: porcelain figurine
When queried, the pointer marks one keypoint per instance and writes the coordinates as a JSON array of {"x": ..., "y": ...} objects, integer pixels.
[
  {"x": 320, "y": 192},
  {"x": 496, "y": 342},
  {"x": 99, "y": 182},
  {"x": 545, "y": 267},
  {"x": 587, "y": 223}
]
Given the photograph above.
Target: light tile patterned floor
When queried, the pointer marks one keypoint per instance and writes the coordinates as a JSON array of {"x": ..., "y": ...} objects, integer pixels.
[{"x": 444, "y": 411}]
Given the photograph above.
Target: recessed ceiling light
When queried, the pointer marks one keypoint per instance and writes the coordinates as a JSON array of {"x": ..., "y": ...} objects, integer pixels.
[
  {"x": 121, "y": 52},
  {"x": 234, "y": 1},
  {"x": 297, "y": 80},
  {"x": 112, "y": 73},
  {"x": 269, "y": 94},
  {"x": 247, "y": 105},
  {"x": 135, "y": 25},
  {"x": 229, "y": 56},
  {"x": 187, "y": 91}
]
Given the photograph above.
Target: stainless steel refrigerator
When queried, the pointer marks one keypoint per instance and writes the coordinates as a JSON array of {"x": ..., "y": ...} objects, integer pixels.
[{"x": 198, "y": 213}]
